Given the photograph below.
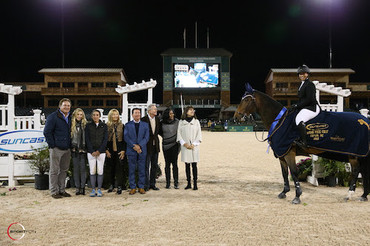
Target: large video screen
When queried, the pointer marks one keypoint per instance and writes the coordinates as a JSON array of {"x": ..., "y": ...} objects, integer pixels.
[{"x": 196, "y": 75}]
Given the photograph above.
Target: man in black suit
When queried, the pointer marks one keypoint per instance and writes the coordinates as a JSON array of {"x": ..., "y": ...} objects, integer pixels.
[
  {"x": 152, "y": 147},
  {"x": 307, "y": 104}
]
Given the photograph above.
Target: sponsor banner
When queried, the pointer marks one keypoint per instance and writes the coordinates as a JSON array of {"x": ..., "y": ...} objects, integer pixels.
[
  {"x": 21, "y": 141},
  {"x": 240, "y": 128}
]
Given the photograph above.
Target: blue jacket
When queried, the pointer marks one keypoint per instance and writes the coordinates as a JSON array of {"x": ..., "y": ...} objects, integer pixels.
[
  {"x": 131, "y": 138},
  {"x": 57, "y": 131}
]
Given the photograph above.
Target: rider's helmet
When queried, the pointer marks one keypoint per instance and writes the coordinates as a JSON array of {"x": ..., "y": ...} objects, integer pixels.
[{"x": 303, "y": 69}]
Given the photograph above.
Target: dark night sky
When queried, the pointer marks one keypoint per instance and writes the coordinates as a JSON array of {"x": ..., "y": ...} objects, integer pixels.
[{"x": 131, "y": 34}]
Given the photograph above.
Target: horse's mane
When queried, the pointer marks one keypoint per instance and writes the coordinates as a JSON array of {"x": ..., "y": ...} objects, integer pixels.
[
  {"x": 269, "y": 100},
  {"x": 267, "y": 107}
]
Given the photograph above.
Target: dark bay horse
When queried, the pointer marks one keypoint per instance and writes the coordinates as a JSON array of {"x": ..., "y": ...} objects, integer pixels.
[{"x": 268, "y": 109}]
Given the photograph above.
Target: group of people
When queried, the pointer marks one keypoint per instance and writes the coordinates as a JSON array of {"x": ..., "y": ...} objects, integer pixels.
[{"x": 128, "y": 152}]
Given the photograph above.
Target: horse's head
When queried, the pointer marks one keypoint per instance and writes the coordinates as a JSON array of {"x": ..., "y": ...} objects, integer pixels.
[{"x": 247, "y": 105}]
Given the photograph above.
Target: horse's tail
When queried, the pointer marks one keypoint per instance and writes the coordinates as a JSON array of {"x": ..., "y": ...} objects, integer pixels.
[{"x": 365, "y": 173}]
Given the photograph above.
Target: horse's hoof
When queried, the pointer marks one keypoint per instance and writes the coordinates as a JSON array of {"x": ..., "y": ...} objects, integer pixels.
[
  {"x": 281, "y": 195},
  {"x": 363, "y": 199},
  {"x": 346, "y": 199},
  {"x": 296, "y": 200}
]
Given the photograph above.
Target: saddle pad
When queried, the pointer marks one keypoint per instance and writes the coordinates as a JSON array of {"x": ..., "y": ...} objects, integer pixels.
[{"x": 337, "y": 132}]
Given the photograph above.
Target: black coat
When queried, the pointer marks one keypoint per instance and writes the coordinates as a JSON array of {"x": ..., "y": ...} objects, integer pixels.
[
  {"x": 96, "y": 137},
  {"x": 153, "y": 143},
  {"x": 307, "y": 96},
  {"x": 121, "y": 145}
]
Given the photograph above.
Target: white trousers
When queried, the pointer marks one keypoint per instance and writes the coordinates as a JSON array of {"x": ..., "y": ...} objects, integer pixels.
[
  {"x": 306, "y": 114},
  {"x": 96, "y": 163}
]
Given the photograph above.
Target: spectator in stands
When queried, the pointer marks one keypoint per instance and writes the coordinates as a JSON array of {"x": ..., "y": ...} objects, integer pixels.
[
  {"x": 170, "y": 146},
  {"x": 57, "y": 133},
  {"x": 96, "y": 142},
  {"x": 189, "y": 136},
  {"x": 78, "y": 149}
]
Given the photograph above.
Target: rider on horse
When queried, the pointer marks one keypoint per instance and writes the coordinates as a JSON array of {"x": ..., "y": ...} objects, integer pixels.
[{"x": 307, "y": 104}]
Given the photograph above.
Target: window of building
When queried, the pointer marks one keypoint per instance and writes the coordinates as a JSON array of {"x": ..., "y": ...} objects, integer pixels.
[
  {"x": 82, "y": 103},
  {"x": 112, "y": 103},
  {"x": 82, "y": 84},
  {"x": 68, "y": 85},
  {"x": 281, "y": 85},
  {"x": 112, "y": 84},
  {"x": 53, "y": 103},
  {"x": 53, "y": 84},
  {"x": 97, "y": 102},
  {"x": 97, "y": 84}
]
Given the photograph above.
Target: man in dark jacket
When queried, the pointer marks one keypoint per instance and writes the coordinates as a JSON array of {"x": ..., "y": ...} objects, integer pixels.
[
  {"x": 152, "y": 147},
  {"x": 57, "y": 133}
]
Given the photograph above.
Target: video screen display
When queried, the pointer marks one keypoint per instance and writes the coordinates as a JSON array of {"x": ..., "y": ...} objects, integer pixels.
[{"x": 196, "y": 75}]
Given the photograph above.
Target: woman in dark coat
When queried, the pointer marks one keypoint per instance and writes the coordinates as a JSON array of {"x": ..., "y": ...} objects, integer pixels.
[
  {"x": 96, "y": 142},
  {"x": 78, "y": 150},
  {"x": 116, "y": 153},
  {"x": 170, "y": 146}
]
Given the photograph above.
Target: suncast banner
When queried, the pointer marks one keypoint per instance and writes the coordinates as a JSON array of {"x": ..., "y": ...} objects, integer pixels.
[{"x": 21, "y": 141}]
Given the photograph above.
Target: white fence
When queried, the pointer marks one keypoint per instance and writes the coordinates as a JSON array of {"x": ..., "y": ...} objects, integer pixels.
[
  {"x": 14, "y": 170},
  {"x": 317, "y": 170}
]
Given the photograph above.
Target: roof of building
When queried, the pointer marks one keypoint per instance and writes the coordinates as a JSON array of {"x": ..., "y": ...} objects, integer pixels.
[
  {"x": 196, "y": 52},
  {"x": 81, "y": 70},
  {"x": 313, "y": 70}
]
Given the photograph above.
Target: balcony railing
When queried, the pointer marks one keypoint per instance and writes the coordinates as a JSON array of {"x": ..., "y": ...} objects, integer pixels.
[
  {"x": 79, "y": 91},
  {"x": 285, "y": 90}
]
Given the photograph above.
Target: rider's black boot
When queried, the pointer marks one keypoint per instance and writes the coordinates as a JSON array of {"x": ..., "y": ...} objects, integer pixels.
[{"x": 303, "y": 132}]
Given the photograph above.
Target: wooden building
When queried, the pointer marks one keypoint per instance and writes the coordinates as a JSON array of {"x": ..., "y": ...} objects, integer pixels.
[
  {"x": 282, "y": 84},
  {"x": 85, "y": 87}
]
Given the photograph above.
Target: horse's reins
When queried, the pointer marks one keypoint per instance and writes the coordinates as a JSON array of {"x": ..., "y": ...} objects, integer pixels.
[
  {"x": 273, "y": 125},
  {"x": 253, "y": 120}
]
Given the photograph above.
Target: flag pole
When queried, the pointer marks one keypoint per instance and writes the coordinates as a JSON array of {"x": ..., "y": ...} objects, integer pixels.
[{"x": 182, "y": 104}]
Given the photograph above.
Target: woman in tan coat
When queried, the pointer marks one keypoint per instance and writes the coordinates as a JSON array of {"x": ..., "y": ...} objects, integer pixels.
[{"x": 189, "y": 136}]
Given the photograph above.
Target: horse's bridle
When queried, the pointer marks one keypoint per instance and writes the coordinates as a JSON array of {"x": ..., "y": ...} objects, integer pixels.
[
  {"x": 244, "y": 97},
  {"x": 250, "y": 116}
]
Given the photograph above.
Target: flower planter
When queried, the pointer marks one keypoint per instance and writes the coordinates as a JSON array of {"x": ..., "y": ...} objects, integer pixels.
[
  {"x": 331, "y": 181},
  {"x": 41, "y": 181}
]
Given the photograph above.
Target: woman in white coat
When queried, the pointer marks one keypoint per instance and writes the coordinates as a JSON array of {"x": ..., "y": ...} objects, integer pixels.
[{"x": 189, "y": 136}]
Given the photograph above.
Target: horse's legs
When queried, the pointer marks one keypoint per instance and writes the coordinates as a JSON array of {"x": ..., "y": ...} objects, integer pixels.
[
  {"x": 355, "y": 170},
  {"x": 365, "y": 172},
  {"x": 284, "y": 171},
  {"x": 290, "y": 159}
]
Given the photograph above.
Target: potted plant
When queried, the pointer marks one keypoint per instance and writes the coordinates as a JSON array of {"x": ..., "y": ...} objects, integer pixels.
[
  {"x": 40, "y": 163},
  {"x": 332, "y": 169},
  {"x": 304, "y": 167}
]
